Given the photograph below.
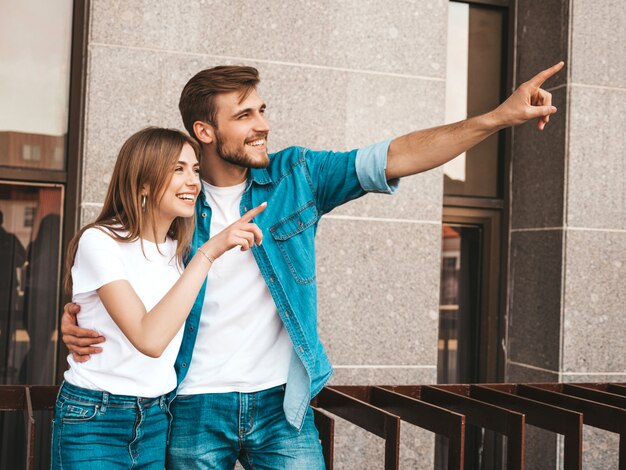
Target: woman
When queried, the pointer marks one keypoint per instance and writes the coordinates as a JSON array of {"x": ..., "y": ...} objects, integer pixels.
[{"x": 126, "y": 273}]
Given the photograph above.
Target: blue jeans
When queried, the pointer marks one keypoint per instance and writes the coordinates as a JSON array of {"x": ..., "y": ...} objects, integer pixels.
[
  {"x": 99, "y": 430},
  {"x": 214, "y": 430}
]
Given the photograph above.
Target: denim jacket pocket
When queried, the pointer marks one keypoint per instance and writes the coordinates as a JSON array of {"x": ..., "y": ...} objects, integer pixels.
[{"x": 296, "y": 243}]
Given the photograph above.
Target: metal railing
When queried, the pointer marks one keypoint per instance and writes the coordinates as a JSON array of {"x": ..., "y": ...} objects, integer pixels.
[
  {"x": 28, "y": 399},
  {"x": 504, "y": 408},
  {"x": 442, "y": 409}
]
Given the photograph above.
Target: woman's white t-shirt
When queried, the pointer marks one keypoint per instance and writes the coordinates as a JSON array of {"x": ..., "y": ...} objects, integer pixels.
[{"x": 121, "y": 369}]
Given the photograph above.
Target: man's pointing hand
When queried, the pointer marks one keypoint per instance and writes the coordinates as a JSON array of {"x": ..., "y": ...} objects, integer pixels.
[{"x": 529, "y": 101}]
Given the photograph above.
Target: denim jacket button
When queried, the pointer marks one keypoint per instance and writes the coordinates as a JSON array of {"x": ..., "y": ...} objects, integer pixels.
[
  {"x": 184, "y": 364},
  {"x": 191, "y": 328},
  {"x": 287, "y": 314},
  {"x": 203, "y": 215},
  {"x": 271, "y": 278}
]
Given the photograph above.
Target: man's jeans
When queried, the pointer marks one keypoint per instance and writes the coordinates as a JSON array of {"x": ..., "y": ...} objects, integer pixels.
[
  {"x": 212, "y": 431},
  {"x": 98, "y": 430}
]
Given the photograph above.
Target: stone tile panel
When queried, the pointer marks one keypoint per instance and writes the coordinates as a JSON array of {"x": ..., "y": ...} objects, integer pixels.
[
  {"x": 520, "y": 373},
  {"x": 601, "y": 378},
  {"x": 403, "y": 37},
  {"x": 541, "y": 23},
  {"x": 539, "y": 448},
  {"x": 598, "y": 37},
  {"x": 534, "y": 323},
  {"x": 378, "y": 288},
  {"x": 123, "y": 96},
  {"x": 88, "y": 214},
  {"x": 596, "y": 189},
  {"x": 595, "y": 293},
  {"x": 380, "y": 375},
  {"x": 357, "y": 448},
  {"x": 538, "y": 171}
]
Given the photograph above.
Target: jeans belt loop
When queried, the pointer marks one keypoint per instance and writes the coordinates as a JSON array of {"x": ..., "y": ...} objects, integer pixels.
[
  {"x": 105, "y": 401},
  {"x": 60, "y": 389},
  {"x": 161, "y": 401}
]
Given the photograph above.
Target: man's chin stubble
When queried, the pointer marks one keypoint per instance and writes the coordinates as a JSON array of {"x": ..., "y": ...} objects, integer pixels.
[{"x": 245, "y": 161}]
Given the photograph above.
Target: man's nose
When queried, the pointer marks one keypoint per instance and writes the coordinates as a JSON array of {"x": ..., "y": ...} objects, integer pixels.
[{"x": 262, "y": 124}]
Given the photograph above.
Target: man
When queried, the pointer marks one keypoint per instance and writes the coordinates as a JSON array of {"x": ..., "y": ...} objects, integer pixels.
[{"x": 257, "y": 358}]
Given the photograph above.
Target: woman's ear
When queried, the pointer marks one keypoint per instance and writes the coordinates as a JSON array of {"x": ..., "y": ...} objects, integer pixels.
[{"x": 204, "y": 132}]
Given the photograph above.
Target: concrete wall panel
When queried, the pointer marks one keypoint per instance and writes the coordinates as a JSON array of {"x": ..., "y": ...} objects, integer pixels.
[
  {"x": 598, "y": 43},
  {"x": 404, "y": 37},
  {"x": 378, "y": 301},
  {"x": 595, "y": 292},
  {"x": 596, "y": 191}
]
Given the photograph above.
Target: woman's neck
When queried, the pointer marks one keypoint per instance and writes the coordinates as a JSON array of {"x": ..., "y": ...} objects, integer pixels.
[{"x": 156, "y": 231}]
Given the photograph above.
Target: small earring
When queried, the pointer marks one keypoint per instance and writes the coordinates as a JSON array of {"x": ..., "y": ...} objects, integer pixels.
[{"x": 143, "y": 201}]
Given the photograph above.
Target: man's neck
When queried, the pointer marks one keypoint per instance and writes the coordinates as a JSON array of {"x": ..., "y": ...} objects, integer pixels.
[{"x": 218, "y": 172}]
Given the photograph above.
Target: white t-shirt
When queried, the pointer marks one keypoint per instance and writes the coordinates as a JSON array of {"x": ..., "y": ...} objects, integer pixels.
[
  {"x": 242, "y": 344},
  {"x": 120, "y": 368}
]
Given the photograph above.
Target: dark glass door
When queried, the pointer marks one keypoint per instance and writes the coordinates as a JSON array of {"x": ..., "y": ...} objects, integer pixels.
[
  {"x": 30, "y": 240},
  {"x": 470, "y": 324},
  {"x": 459, "y": 318}
]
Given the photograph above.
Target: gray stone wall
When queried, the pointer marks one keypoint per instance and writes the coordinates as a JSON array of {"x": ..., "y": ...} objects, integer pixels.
[
  {"x": 566, "y": 292},
  {"x": 594, "y": 289},
  {"x": 335, "y": 75},
  {"x": 342, "y": 74}
]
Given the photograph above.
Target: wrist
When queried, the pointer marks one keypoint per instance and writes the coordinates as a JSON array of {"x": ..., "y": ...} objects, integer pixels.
[
  {"x": 495, "y": 121},
  {"x": 209, "y": 247},
  {"x": 206, "y": 255}
]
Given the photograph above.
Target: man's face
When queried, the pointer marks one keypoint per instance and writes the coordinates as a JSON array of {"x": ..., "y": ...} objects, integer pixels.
[{"x": 242, "y": 130}]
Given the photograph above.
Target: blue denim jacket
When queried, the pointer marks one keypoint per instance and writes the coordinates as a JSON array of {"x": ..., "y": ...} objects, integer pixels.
[{"x": 299, "y": 185}]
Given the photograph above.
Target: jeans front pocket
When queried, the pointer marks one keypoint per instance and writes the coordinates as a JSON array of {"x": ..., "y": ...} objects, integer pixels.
[
  {"x": 75, "y": 433},
  {"x": 74, "y": 411}
]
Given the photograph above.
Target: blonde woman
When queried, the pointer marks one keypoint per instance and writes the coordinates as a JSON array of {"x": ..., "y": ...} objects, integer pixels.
[{"x": 125, "y": 270}]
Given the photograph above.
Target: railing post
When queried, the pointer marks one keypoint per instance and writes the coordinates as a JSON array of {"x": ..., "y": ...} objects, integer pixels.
[
  {"x": 29, "y": 426},
  {"x": 326, "y": 428}
]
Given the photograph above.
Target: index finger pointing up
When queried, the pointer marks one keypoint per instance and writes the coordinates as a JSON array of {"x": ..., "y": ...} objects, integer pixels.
[
  {"x": 252, "y": 213},
  {"x": 542, "y": 76}
]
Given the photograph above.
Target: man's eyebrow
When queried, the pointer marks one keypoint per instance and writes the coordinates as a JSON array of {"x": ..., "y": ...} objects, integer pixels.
[{"x": 247, "y": 110}]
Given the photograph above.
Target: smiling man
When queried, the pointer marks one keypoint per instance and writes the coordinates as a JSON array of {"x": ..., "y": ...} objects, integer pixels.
[{"x": 252, "y": 333}]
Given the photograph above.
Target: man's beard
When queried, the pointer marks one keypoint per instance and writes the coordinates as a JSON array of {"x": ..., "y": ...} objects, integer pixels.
[{"x": 238, "y": 156}]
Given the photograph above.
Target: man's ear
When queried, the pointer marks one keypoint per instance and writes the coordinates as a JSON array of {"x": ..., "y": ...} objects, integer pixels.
[{"x": 204, "y": 132}]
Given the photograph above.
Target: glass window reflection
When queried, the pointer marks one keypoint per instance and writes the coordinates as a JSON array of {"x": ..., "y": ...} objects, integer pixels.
[
  {"x": 30, "y": 228},
  {"x": 473, "y": 87},
  {"x": 34, "y": 82}
]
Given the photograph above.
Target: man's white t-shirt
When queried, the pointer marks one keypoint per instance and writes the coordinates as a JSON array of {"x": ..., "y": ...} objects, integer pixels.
[
  {"x": 121, "y": 369},
  {"x": 242, "y": 344}
]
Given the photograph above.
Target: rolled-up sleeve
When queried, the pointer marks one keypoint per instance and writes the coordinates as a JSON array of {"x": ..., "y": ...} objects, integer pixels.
[{"x": 371, "y": 162}]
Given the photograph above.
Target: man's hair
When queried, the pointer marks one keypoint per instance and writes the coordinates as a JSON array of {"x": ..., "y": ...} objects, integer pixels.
[{"x": 197, "y": 100}]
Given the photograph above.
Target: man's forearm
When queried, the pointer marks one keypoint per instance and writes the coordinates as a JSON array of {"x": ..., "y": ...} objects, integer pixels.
[
  {"x": 422, "y": 150},
  {"x": 429, "y": 148}
]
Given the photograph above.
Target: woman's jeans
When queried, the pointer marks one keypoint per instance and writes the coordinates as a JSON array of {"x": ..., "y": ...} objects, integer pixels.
[{"x": 99, "y": 430}]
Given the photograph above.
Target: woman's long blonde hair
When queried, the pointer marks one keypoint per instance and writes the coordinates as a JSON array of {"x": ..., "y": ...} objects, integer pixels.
[{"x": 146, "y": 160}]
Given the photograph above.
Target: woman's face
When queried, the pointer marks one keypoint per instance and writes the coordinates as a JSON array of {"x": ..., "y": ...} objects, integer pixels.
[{"x": 179, "y": 196}]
